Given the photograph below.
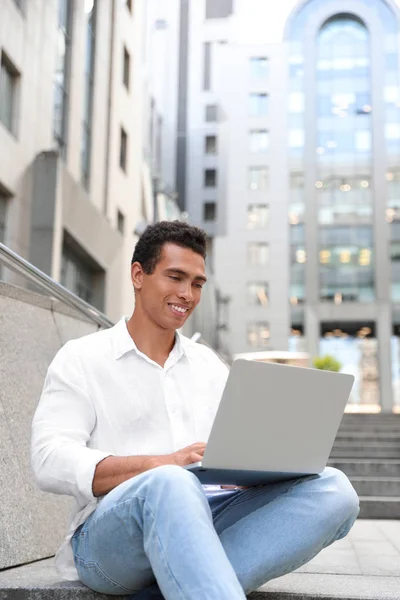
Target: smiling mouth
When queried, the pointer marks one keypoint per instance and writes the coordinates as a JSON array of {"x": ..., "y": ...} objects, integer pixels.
[{"x": 178, "y": 310}]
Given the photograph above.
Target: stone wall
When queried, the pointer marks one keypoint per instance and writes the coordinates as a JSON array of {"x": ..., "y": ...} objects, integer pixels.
[{"x": 32, "y": 329}]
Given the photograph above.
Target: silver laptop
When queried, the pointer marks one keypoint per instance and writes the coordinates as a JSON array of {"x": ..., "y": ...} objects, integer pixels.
[{"x": 274, "y": 422}]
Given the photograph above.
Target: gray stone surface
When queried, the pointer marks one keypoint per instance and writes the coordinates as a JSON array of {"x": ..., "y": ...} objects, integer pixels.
[
  {"x": 379, "y": 507},
  {"x": 371, "y": 548},
  {"x": 8, "y": 290},
  {"x": 40, "y": 582},
  {"x": 389, "y": 467},
  {"x": 32, "y": 524},
  {"x": 63, "y": 309},
  {"x": 362, "y": 566},
  {"x": 313, "y": 586},
  {"x": 69, "y": 327}
]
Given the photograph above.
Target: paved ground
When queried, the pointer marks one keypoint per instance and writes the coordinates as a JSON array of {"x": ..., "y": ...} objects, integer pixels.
[
  {"x": 363, "y": 566},
  {"x": 371, "y": 548}
]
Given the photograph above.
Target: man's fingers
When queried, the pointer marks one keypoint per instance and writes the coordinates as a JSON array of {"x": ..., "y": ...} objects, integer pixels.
[
  {"x": 195, "y": 457},
  {"x": 199, "y": 445}
]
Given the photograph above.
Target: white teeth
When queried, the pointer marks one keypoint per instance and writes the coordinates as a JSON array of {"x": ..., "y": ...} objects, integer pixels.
[{"x": 179, "y": 309}]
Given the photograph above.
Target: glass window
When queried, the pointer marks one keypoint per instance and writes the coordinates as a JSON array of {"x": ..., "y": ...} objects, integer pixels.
[
  {"x": 259, "y": 105},
  {"x": 207, "y": 66},
  {"x": 257, "y": 216},
  {"x": 3, "y": 210},
  {"x": 123, "y": 149},
  {"x": 257, "y": 254},
  {"x": 258, "y": 334},
  {"x": 258, "y": 178},
  {"x": 296, "y": 138},
  {"x": 363, "y": 141},
  {"x": 391, "y": 94},
  {"x": 296, "y": 290},
  {"x": 392, "y": 131},
  {"x": 88, "y": 92},
  {"x": 79, "y": 276},
  {"x": 358, "y": 350},
  {"x": 296, "y": 102},
  {"x": 259, "y": 140},
  {"x": 344, "y": 132},
  {"x": 8, "y": 93},
  {"x": 211, "y": 113},
  {"x": 211, "y": 144},
  {"x": 210, "y": 177},
  {"x": 259, "y": 67},
  {"x": 120, "y": 222},
  {"x": 126, "y": 68},
  {"x": 209, "y": 211},
  {"x": 61, "y": 75},
  {"x": 63, "y": 14},
  {"x": 257, "y": 293},
  {"x": 393, "y": 187}
]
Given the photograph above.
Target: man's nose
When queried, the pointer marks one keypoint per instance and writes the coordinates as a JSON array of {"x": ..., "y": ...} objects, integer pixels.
[{"x": 186, "y": 292}]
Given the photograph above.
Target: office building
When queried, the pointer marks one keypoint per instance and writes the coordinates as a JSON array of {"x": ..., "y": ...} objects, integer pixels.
[
  {"x": 287, "y": 152},
  {"x": 71, "y": 165}
]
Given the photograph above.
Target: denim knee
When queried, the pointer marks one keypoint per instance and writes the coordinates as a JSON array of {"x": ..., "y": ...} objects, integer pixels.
[
  {"x": 171, "y": 473},
  {"x": 347, "y": 501},
  {"x": 169, "y": 479}
]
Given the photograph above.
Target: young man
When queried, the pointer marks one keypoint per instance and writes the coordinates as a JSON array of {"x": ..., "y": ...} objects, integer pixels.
[{"x": 123, "y": 410}]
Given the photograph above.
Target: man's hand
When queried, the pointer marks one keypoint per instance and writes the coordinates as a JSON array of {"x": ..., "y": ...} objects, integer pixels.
[
  {"x": 113, "y": 470},
  {"x": 186, "y": 456}
]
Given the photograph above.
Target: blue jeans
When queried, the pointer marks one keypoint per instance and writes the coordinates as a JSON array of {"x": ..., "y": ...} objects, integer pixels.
[{"x": 161, "y": 526}]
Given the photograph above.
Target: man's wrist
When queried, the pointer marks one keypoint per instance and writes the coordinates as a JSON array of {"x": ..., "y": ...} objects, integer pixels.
[{"x": 158, "y": 461}]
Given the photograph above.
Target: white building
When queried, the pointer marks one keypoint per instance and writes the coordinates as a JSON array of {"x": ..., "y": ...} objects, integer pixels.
[
  {"x": 71, "y": 142},
  {"x": 287, "y": 154}
]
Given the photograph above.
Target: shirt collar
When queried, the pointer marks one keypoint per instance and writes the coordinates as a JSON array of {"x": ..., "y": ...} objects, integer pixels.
[{"x": 123, "y": 343}]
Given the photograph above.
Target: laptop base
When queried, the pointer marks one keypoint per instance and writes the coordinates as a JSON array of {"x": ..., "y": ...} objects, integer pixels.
[{"x": 240, "y": 477}]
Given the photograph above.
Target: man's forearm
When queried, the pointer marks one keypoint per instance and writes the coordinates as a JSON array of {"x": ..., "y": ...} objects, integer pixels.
[{"x": 114, "y": 470}]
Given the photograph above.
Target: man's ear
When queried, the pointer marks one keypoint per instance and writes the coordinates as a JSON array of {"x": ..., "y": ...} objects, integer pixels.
[{"x": 137, "y": 275}]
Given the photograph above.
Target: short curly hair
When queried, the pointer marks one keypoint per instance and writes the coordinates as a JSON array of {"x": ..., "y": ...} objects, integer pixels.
[{"x": 150, "y": 244}]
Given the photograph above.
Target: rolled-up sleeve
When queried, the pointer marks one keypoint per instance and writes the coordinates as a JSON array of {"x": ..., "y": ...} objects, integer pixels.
[{"x": 61, "y": 429}]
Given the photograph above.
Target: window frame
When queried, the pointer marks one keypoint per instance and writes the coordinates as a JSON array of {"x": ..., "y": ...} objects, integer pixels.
[
  {"x": 207, "y": 175},
  {"x": 210, "y": 137},
  {"x": 207, "y": 218},
  {"x": 123, "y": 149},
  {"x": 126, "y": 68},
  {"x": 61, "y": 138},
  {"x": 13, "y": 76}
]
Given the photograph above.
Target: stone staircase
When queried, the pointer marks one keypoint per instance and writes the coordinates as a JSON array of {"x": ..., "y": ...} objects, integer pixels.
[{"x": 367, "y": 449}]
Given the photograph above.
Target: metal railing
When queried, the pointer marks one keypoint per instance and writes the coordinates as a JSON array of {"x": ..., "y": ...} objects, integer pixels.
[{"x": 24, "y": 268}]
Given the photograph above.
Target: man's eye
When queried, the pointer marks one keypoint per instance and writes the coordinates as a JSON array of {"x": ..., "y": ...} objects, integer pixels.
[
  {"x": 198, "y": 285},
  {"x": 174, "y": 278}
]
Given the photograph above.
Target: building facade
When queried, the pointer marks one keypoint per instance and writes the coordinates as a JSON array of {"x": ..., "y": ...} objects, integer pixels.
[
  {"x": 71, "y": 142},
  {"x": 287, "y": 155}
]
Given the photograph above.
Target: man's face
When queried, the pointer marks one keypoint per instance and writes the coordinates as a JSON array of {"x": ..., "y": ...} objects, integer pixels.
[{"x": 172, "y": 292}]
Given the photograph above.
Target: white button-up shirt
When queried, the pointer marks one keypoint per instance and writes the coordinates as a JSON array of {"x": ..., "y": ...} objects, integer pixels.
[{"x": 103, "y": 397}]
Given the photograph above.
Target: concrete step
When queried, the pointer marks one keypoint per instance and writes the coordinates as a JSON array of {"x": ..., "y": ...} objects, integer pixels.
[
  {"x": 392, "y": 418},
  {"x": 367, "y": 452},
  {"x": 359, "y": 421},
  {"x": 361, "y": 436},
  {"x": 376, "y": 486},
  {"x": 367, "y": 467},
  {"x": 358, "y": 442},
  {"x": 39, "y": 581},
  {"x": 373, "y": 427},
  {"x": 379, "y": 507},
  {"x": 380, "y": 417}
]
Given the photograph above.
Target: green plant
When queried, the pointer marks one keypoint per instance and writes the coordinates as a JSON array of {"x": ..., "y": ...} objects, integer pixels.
[{"x": 327, "y": 363}]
